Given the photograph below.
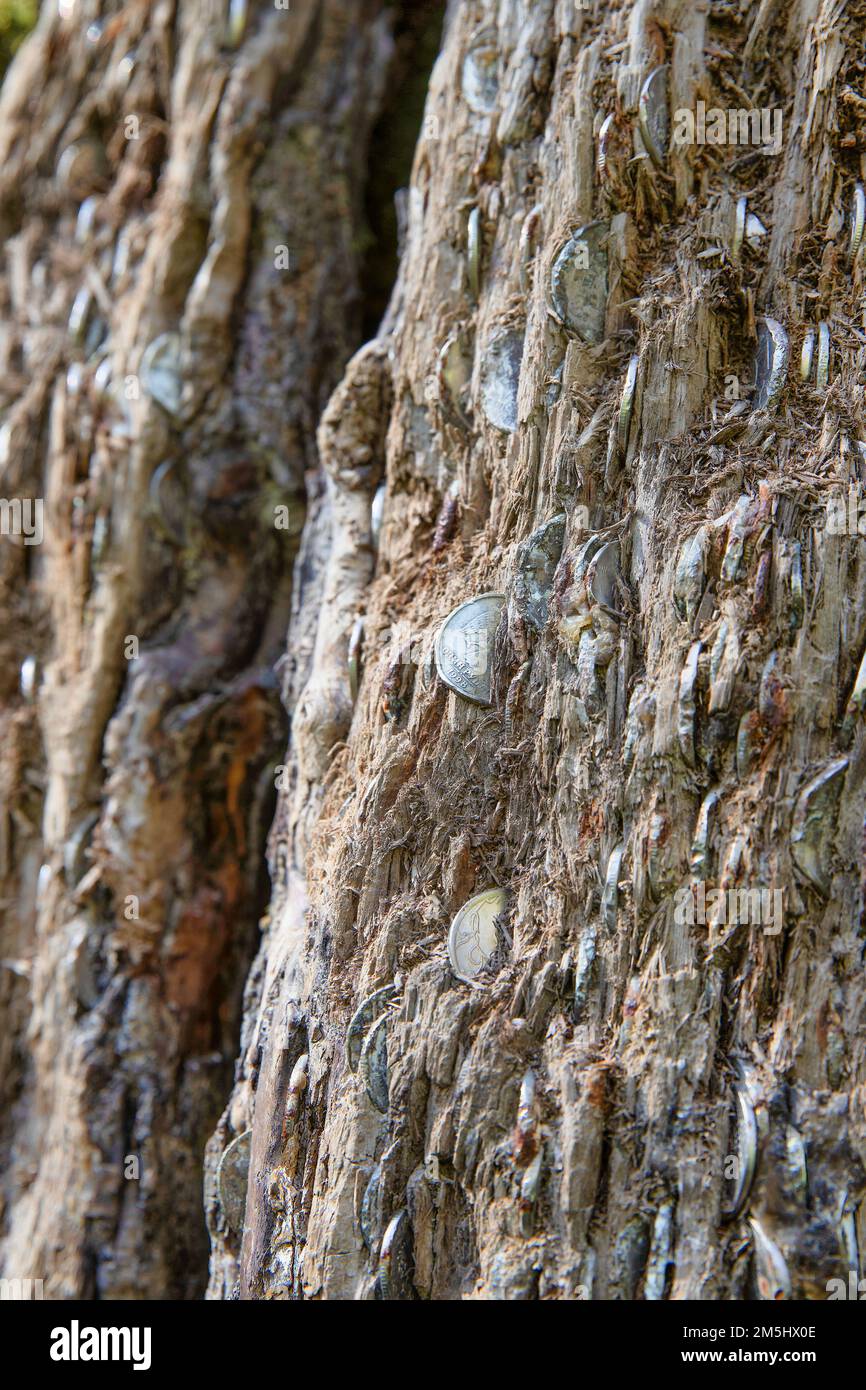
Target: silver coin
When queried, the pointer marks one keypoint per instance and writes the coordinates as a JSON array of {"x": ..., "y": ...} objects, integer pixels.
[
  {"x": 604, "y": 135},
  {"x": 232, "y": 1177},
  {"x": 373, "y": 1064},
  {"x": 739, "y": 228},
  {"x": 237, "y": 23},
  {"x": 480, "y": 78},
  {"x": 500, "y": 380},
  {"x": 771, "y": 362},
  {"x": 160, "y": 371},
  {"x": 473, "y": 250},
  {"x": 807, "y": 354},
  {"x": 396, "y": 1259},
  {"x": 464, "y": 647},
  {"x": 363, "y": 1019},
  {"x": 377, "y": 511},
  {"x": 626, "y": 404},
  {"x": 602, "y": 578},
  {"x": 858, "y": 218},
  {"x": 822, "y": 368},
  {"x": 353, "y": 657},
  {"x": 27, "y": 678},
  {"x": 653, "y": 115},
  {"x": 755, "y": 231},
  {"x": 473, "y": 937},
  {"x": 578, "y": 282}
]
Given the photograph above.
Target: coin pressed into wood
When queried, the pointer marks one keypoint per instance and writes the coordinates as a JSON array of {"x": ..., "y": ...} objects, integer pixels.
[
  {"x": 464, "y": 647},
  {"x": 626, "y": 404},
  {"x": 653, "y": 115},
  {"x": 232, "y": 1177},
  {"x": 858, "y": 219},
  {"x": 374, "y": 1064},
  {"x": 771, "y": 362},
  {"x": 473, "y": 937},
  {"x": 500, "y": 380},
  {"x": 363, "y": 1019},
  {"x": 578, "y": 282},
  {"x": 396, "y": 1263}
]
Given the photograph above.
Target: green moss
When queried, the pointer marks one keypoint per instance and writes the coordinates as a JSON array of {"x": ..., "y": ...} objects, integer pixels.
[{"x": 17, "y": 18}]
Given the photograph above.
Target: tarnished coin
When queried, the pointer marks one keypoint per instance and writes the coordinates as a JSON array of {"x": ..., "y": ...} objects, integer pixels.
[
  {"x": 602, "y": 578},
  {"x": 363, "y": 1019},
  {"x": 578, "y": 282},
  {"x": 454, "y": 371},
  {"x": 396, "y": 1259},
  {"x": 473, "y": 250},
  {"x": 537, "y": 559},
  {"x": 232, "y": 1176},
  {"x": 653, "y": 115},
  {"x": 858, "y": 219},
  {"x": 160, "y": 371},
  {"x": 626, "y": 404},
  {"x": 807, "y": 354},
  {"x": 367, "y": 1217},
  {"x": 464, "y": 647},
  {"x": 822, "y": 367},
  {"x": 373, "y": 1064},
  {"x": 500, "y": 379},
  {"x": 473, "y": 937},
  {"x": 771, "y": 362}
]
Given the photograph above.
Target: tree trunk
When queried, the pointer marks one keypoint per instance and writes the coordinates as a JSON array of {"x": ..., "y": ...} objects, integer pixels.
[{"x": 650, "y": 1081}]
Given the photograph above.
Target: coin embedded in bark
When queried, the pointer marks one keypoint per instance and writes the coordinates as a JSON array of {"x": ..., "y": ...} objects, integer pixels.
[
  {"x": 362, "y": 1020},
  {"x": 396, "y": 1263},
  {"x": 473, "y": 937},
  {"x": 626, "y": 404},
  {"x": 604, "y": 136},
  {"x": 473, "y": 250},
  {"x": 739, "y": 228},
  {"x": 373, "y": 1064},
  {"x": 454, "y": 371},
  {"x": 500, "y": 378},
  {"x": 464, "y": 647},
  {"x": 858, "y": 218},
  {"x": 653, "y": 115},
  {"x": 807, "y": 353},
  {"x": 771, "y": 362},
  {"x": 160, "y": 371},
  {"x": 237, "y": 22},
  {"x": 579, "y": 282},
  {"x": 480, "y": 78},
  {"x": 822, "y": 368},
  {"x": 377, "y": 511},
  {"x": 755, "y": 231},
  {"x": 232, "y": 1176}
]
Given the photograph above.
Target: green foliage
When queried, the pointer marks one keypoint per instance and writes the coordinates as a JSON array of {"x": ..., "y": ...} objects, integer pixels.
[{"x": 17, "y": 18}]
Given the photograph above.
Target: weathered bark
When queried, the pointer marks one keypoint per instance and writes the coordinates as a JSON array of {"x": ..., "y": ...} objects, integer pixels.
[
  {"x": 227, "y": 191},
  {"x": 602, "y": 733},
  {"x": 606, "y": 1033}
]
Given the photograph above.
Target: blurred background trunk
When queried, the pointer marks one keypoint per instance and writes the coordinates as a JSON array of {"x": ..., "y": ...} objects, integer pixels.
[{"x": 682, "y": 711}]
